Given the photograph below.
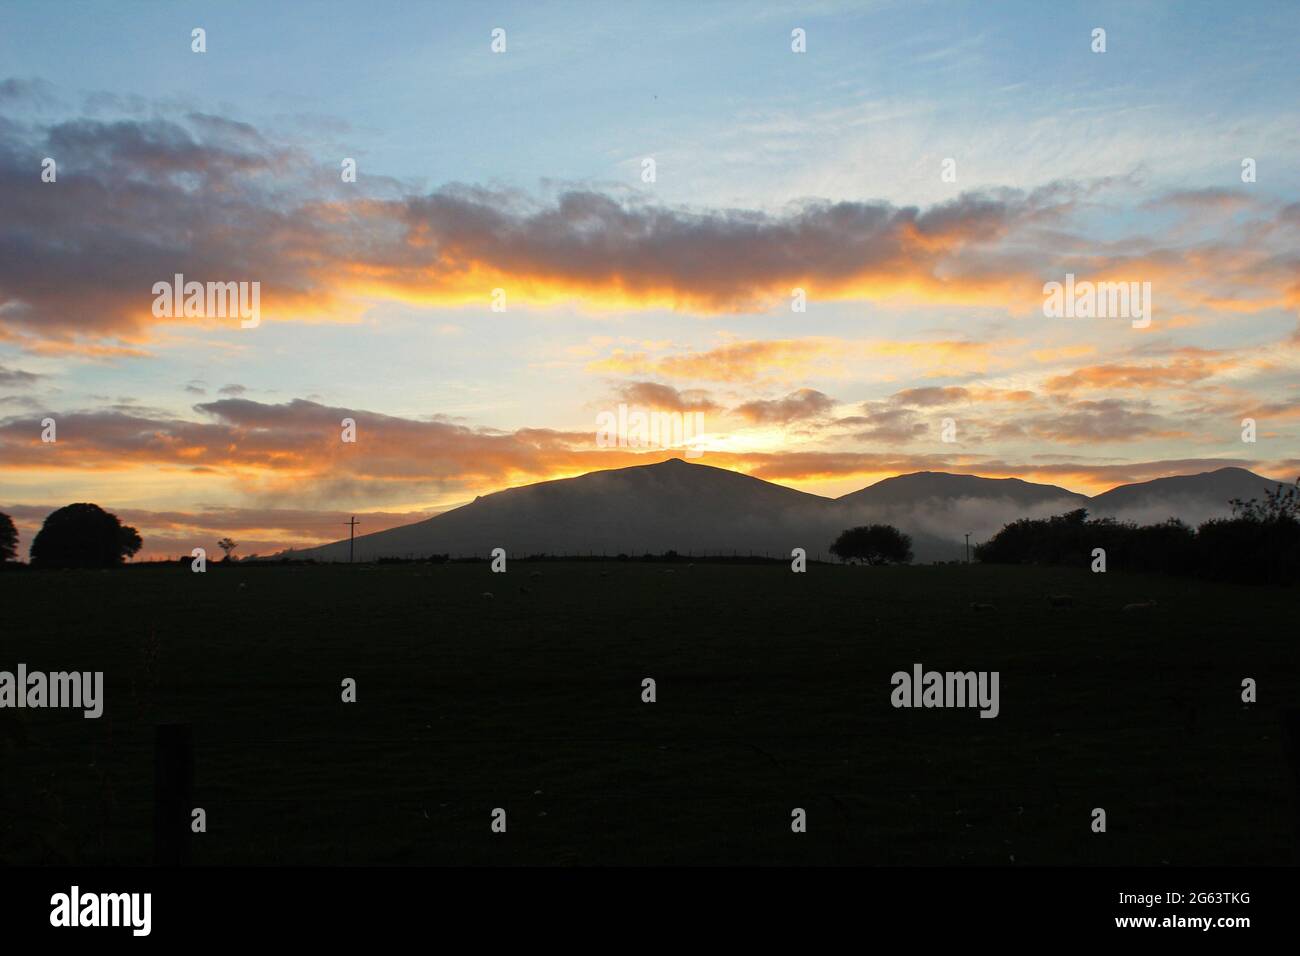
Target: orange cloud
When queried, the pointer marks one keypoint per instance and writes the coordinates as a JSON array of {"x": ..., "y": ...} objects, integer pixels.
[
  {"x": 787, "y": 359},
  {"x": 733, "y": 362},
  {"x": 1183, "y": 370},
  {"x": 321, "y": 251}
]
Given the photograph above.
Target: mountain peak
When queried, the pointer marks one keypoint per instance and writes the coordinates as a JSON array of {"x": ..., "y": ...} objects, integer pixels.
[
  {"x": 676, "y": 504},
  {"x": 1194, "y": 498},
  {"x": 921, "y": 485}
]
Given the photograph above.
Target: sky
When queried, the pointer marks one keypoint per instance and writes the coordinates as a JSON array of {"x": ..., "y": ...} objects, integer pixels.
[{"x": 920, "y": 173}]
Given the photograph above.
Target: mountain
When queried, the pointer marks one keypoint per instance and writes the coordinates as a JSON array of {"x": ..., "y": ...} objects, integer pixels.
[
  {"x": 671, "y": 505},
  {"x": 692, "y": 508},
  {"x": 906, "y": 490},
  {"x": 1193, "y": 498},
  {"x": 939, "y": 509}
]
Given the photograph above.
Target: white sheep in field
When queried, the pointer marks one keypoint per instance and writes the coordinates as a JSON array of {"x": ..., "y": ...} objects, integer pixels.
[{"x": 488, "y": 595}]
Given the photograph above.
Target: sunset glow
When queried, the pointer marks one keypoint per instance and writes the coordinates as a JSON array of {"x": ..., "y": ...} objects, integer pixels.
[{"x": 799, "y": 269}]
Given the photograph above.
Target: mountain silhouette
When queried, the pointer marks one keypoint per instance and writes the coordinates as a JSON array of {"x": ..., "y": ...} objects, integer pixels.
[
  {"x": 701, "y": 509},
  {"x": 938, "y": 509},
  {"x": 671, "y": 505},
  {"x": 906, "y": 490},
  {"x": 1193, "y": 498}
]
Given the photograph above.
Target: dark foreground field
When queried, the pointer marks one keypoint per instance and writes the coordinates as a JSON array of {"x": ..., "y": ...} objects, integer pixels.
[{"x": 773, "y": 693}]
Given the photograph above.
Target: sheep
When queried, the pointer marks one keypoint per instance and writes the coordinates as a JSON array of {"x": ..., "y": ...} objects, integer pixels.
[
  {"x": 487, "y": 595},
  {"x": 1140, "y": 605}
]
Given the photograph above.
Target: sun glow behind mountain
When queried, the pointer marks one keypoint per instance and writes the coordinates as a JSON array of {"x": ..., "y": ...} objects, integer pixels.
[{"x": 801, "y": 271}]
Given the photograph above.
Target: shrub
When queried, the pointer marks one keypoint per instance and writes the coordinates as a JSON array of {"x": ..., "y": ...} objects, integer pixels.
[
  {"x": 83, "y": 536},
  {"x": 1260, "y": 544},
  {"x": 873, "y": 544}
]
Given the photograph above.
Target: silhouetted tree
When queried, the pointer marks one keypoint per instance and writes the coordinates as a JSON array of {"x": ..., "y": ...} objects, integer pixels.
[
  {"x": 1259, "y": 544},
  {"x": 8, "y": 539},
  {"x": 1168, "y": 547},
  {"x": 1280, "y": 504},
  {"x": 874, "y": 544},
  {"x": 1061, "y": 539},
  {"x": 83, "y": 536},
  {"x": 227, "y": 545}
]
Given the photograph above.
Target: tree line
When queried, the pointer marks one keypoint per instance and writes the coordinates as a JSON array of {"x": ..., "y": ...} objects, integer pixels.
[{"x": 1259, "y": 544}]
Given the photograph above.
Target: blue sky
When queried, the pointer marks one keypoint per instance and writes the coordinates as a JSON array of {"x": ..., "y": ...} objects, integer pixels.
[
  {"x": 1125, "y": 165},
  {"x": 585, "y": 90}
]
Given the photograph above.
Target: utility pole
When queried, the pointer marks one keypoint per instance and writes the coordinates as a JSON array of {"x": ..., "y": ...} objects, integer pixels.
[
  {"x": 968, "y": 547},
  {"x": 352, "y": 533}
]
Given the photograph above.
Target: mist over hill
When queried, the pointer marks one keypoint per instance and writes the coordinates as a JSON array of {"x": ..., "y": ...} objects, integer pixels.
[
  {"x": 938, "y": 509},
  {"x": 1192, "y": 498},
  {"x": 700, "y": 509}
]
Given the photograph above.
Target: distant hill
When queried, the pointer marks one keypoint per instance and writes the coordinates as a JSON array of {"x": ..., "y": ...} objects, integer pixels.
[
  {"x": 700, "y": 509},
  {"x": 938, "y": 509},
  {"x": 1193, "y": 498},
  {"x": 671, "y": 505},
  {"x": 926, "y": 485}
]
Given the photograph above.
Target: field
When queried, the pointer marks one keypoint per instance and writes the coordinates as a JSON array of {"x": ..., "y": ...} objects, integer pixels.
[{"x": 773, "y": 692}]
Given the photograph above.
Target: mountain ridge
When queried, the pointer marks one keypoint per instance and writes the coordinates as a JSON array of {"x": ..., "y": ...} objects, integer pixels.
[{"x": 703, "y": 509}]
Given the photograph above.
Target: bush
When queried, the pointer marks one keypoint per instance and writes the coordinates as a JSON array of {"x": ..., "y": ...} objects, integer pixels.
[
  {"x": 873, "y": 544},
  {"x": 1168, "y": 548},
  {"x": 1248, "y": 551},
  {"x": 1260, "y": 544},
  {"x": 83, "y": 536},
  {"x": 1056, "y": 540}
]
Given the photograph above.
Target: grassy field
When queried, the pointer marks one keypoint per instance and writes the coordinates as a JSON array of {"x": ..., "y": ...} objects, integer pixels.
[{"x": 773, "y": 693}]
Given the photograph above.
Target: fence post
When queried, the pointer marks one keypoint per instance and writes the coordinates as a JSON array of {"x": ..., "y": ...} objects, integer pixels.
[{"x": 173, "y": 787}]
